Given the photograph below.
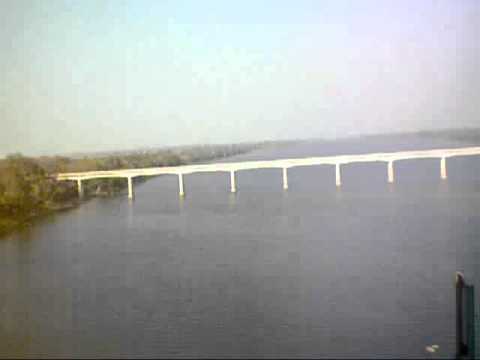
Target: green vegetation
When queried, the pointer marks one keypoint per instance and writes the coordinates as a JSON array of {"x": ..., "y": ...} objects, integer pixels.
[
  {"x": 28, "y": 189},
  {"x": 26, "y": 192}
]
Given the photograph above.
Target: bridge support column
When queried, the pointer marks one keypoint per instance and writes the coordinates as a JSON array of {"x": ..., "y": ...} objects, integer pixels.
[
  {"x": 233, "y": 187},
  {"x": 180, "y": 185},
  {"x": 338, "y": 178},
  {"x": 130, "y": 188},
  {"x": 391, "y": 174},
  {"x": 285, "y": 179},
  {"x": 80, "y": 188},
  {"x": 443, "y": 168}
]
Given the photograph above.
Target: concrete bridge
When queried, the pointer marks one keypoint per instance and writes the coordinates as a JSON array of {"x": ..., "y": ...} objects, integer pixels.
[{"x": 283, "y": 164}]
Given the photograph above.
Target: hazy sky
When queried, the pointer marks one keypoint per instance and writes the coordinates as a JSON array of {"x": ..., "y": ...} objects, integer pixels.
[{"x": 101, "y": 75}]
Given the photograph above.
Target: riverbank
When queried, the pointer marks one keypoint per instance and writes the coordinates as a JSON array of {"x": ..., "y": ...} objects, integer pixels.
[
  {"x": 28, "y": 192},
  {"x": 13, "y": 223}
]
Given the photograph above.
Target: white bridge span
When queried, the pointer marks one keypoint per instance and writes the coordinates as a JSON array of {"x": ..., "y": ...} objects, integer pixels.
[{"x": 283, "y": 164}]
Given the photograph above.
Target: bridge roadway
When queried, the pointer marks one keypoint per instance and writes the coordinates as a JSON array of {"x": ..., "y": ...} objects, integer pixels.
[{"x": 283, "y": 164}]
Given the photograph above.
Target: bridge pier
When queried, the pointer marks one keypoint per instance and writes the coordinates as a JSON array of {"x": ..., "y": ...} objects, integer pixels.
[
  {"x": 285, "y": 179},
  {"x": 338, "y": 178},
  {"x": 443, "y": 168},
  {"x": 233, "y": 187},
  {"x": 80, "y": 188},
  {"x": 391, "y": 174},
  {"x": 130, "y": 187},
  {"x": 180, "y": 185}
]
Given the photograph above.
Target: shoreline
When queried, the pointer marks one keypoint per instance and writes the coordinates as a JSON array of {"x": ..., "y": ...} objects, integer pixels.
[{"x": 11, "y": 224}]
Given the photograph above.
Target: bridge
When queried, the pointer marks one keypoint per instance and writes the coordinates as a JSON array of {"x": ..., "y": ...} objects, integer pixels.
[{"x": 284, "y": 164}]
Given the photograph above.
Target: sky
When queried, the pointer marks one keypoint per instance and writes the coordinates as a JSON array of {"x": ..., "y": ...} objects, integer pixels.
[{"x": 80, "y": 76}]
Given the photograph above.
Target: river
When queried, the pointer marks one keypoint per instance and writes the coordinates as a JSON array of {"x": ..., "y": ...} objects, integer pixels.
[{"x": 366, "y": 270}]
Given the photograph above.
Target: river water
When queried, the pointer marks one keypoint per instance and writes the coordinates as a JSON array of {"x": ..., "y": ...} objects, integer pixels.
[{"x": 366, "y": 270}]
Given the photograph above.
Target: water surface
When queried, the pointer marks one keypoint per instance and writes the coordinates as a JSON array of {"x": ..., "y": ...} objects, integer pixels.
[{"x": 366, "y": 270}]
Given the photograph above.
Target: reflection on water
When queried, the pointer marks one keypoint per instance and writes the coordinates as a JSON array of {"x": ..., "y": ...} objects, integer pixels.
[
  {"x": 364, "y": 270},
  {"x": 232, "y": 197}
]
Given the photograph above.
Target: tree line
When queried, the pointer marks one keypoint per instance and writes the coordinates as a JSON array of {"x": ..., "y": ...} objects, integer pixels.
[{"x": 28, "y": 188}]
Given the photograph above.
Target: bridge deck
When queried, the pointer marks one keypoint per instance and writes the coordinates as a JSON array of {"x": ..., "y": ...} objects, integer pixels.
[{"x": 388, "y": 157}]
